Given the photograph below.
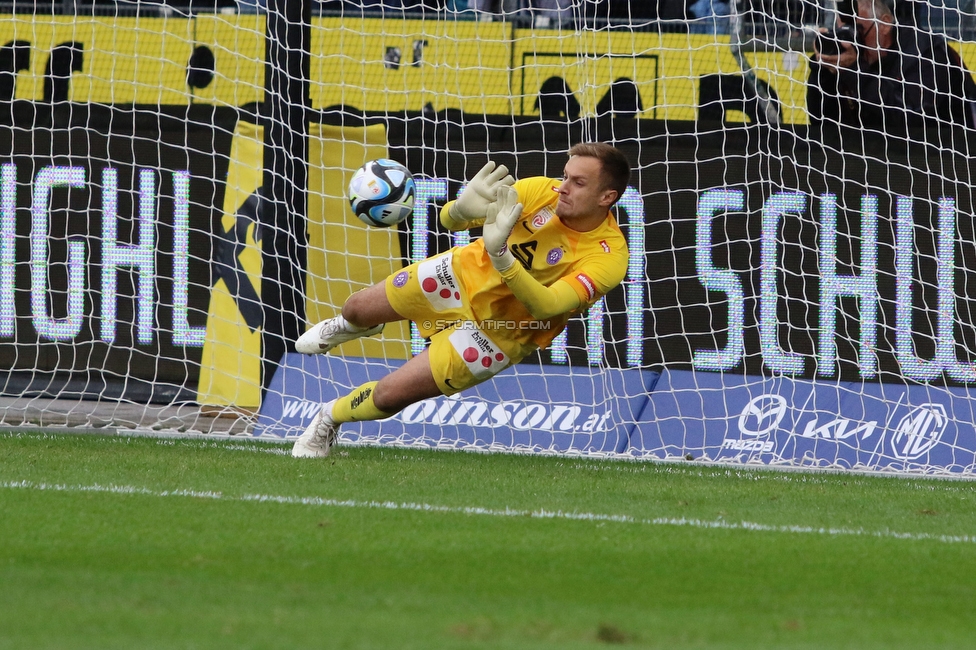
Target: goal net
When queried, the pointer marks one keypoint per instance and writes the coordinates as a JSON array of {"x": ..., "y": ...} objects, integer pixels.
[{"x": 800, "y": 232}]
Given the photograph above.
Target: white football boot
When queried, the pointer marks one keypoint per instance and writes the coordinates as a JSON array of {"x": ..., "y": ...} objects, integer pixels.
[
  {"x": 319, "y": 437},
  {"x": 324, "y": 336}
]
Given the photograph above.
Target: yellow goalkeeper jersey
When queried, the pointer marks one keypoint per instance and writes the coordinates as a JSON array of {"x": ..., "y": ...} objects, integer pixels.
[{"x": 592, "y": 263}]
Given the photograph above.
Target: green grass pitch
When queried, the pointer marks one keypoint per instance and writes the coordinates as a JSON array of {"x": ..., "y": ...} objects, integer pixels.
[{"x": 111, "y": 542}]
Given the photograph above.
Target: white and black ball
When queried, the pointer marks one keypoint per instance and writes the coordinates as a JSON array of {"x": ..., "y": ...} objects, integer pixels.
[{"x": 382, "y": 192}]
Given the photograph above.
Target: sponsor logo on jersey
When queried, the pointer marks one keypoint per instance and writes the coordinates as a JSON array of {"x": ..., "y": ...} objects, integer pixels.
[
  {"x": 554, "y": 256},
  {"x": 541, "y": 218},
  {"x": 604, "y": 245},
  {"x": 919, "y": 431},
  {"x": 438, "y": 282},
  {"x": 482, "y": 357},
  {"x": 588, "y": 284},
  {"x": 400, "y": 279},
  {"x": 761, "y": 415}
]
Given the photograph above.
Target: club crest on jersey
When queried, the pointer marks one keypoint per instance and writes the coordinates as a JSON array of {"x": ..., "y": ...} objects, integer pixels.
[
  {"x": 588, "y": 284},
  {"x": 541, "y": 218},
  {"x": 482, "y": 357},
  {"x": 439, "y": 284},
  {"x": 554, "y": 255},
  {"x": 604, "y": 245},
  {"x": 400, "y": 279}
]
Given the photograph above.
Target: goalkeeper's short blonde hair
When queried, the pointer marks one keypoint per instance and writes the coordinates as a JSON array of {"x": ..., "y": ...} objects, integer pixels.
[{"x": 615, "y": 168}]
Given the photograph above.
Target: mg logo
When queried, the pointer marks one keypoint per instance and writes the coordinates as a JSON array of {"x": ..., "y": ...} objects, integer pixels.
[
  {"x": 761, "y": 415},
  {"x": 919, "y": 431}
]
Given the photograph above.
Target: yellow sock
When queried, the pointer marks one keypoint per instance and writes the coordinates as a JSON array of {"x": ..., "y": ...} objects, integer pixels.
[{"x": 358, "y": 405}]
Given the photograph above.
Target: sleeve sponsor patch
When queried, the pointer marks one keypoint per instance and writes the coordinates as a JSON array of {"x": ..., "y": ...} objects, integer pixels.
[{"x": 588, "y": 284}]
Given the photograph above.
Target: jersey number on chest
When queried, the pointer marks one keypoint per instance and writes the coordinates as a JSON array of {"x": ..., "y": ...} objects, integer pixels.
[{"x": 525, "y": 253}]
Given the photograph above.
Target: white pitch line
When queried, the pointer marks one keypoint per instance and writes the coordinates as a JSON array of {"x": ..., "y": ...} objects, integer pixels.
[{"x": 720, "y": 524}]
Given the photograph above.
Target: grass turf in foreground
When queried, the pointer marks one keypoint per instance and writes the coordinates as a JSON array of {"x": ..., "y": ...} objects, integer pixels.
[{"x": 155, "y": 567}]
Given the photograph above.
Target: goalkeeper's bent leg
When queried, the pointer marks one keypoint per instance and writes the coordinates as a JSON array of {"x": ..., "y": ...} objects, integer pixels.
[
  {"x": 375, "y": 400},
  {"x": 369, "y": 307},
  {"x": 411, "y": 382},
  {"x": 358, "y": 405}
]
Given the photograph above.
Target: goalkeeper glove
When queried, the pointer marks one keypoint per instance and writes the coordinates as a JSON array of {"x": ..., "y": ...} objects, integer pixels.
[
  {"x": 501, "y": 218},
  {"x": 481, "y": 192}
]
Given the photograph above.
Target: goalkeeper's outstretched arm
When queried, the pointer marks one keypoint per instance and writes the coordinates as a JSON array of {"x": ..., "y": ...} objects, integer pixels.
[
  {"x": 454, "y": 225},
  {"x": 542, "y": 302},
  {"x": 471, "y": 208}
]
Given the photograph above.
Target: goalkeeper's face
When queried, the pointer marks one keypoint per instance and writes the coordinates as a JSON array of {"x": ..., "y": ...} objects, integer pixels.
[{"x": 583, "y": 193}]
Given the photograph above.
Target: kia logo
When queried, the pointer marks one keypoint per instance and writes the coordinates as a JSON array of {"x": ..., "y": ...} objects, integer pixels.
[
  {"x": 762, "y": 415},
  {"x": 919, "y": 431}
]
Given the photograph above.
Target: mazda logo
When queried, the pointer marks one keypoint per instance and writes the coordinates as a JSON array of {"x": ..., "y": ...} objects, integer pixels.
[{"x": 761, "y": 415}]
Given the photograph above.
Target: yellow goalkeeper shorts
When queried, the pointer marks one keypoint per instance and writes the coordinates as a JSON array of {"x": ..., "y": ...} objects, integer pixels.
[{"x": 430, "y": 294}]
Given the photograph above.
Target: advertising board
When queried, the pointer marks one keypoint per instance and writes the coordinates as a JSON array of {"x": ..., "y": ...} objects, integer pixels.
[
  {"x": 801, "y": 423},
  {"x": 533, "y": 409}
]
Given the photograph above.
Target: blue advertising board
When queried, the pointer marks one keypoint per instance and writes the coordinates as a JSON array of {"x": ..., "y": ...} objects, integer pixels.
[
  {"x": 800, "y": 423},
  {"x": 526, "y": 407},
  {"x": 711, "y": 416}
]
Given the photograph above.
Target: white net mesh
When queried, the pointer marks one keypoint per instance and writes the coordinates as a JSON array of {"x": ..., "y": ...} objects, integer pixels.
[{"x": 800, "y": 230}]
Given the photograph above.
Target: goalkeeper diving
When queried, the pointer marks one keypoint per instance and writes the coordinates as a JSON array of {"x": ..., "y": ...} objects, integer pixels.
[{"x": 550, "y": 249}]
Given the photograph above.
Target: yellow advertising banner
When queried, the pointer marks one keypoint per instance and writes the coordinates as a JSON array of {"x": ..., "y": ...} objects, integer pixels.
[
  {"x": 230, "y": 370},
  {"x": 397, "y": 65},
  {"x": 390, "y": 65},
  {"x": 237, "y": 44},
  {"x": 344, "y": 254},
  {"x": 115, "y": 60}
]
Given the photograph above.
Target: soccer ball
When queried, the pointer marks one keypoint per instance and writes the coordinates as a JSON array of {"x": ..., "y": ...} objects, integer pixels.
[{"x": 381, "y": 193}]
